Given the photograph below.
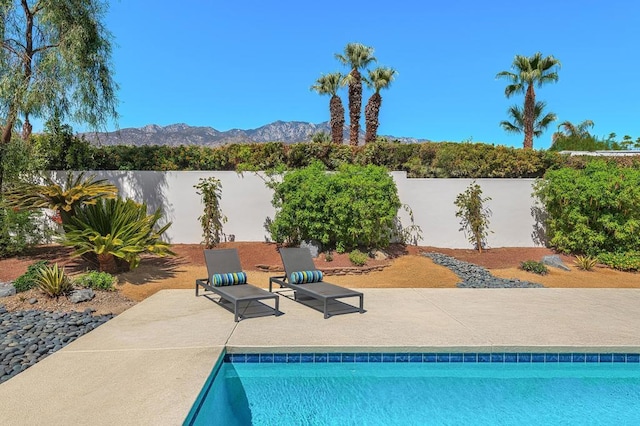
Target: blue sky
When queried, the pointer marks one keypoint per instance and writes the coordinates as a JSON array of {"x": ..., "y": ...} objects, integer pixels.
[{"x": 244, "y": 64}]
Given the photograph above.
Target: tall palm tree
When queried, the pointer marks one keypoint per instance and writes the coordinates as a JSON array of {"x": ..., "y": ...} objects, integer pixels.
[
  {"x": 358, "y": 57},
  {"x": 540, "y": 122},
  {"x": 529, "y": 71},
  {"x": 328, "y": 85},
  {"x": 570, "y": 129},
  {"x": 379, "y": 78}
]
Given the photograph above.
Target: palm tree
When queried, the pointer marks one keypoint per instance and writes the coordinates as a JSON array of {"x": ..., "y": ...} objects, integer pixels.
[
  {"x": 540, "y": 123},
  {"x": 570, "y": 129},
  {"x": 329, "y": 85},
  {"x": 357, "y": 56},
  {"x": 379, "y": 78},
  {"x": 530, "y": 70}
]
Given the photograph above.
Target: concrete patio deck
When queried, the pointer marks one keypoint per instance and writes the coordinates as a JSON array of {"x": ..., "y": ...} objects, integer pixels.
[{"x": 147, "y": 365}]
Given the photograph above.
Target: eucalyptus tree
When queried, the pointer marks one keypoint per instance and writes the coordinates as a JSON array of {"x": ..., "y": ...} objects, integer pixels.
[
  {"x": 379, "y": 78},
  {"x": 358, "y": 57},
  {"x": 527, "y": 72},
  {"x": 518, "y": 125},
  {"x": 54, "y": 61},
  {"x": 329, "y": 84}
]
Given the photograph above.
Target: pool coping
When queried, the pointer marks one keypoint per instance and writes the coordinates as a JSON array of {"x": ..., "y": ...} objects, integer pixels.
[{"x": 172, "y": 340}]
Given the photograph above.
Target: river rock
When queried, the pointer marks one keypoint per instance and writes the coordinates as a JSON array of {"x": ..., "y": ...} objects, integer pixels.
[{"x": 7, "y": 289}]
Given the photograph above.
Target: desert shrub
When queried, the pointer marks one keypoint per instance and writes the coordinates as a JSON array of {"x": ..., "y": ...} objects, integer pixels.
[
  {"x": 592, "y": 211},
  {"x": 53, "y": 281},
  {"x": 21, "y": 230},
  {"x": 328, "y": 256},
  {"x": 474, "y": 216},
  {"x": 535, "y": 267},
  {"x": 116, "y": 229},
  {"x": 358, "y": 258},
  {"x": 586, "y": 263},
  {"x": 356, "y": 206},
  {"x": 626, "y": 261},
  {"x": 27, "y": 281},
  {"x": 212, "y": 219},
  {"x": 97, "y": 281}
]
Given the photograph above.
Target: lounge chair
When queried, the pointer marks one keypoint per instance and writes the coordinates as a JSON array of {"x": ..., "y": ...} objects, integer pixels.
[
  {"x": 298, "y": 261},
  {"x": 224, "y": 269}
]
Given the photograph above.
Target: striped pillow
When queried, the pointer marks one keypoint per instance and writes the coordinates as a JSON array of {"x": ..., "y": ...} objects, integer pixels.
[
  {"x": 301, "y": 277},
  {"x": 232, "y": 278}
]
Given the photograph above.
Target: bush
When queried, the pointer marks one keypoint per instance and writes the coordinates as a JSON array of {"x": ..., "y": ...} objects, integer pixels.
[
  {"x": 595, "y": 210},
  {"x": 53, "y": 281},
  {"x": 535, "y": 267},
  {"x": 356, "y": 206},
  {"x": 474, "y": 216},
  {"x": 212, "y": 219},
  {"x": 27, "y": 281},
  {"x": 97, "y": 281},
  {"x": 627, "y": 261},
  {"x": 586, "y": 263},
  {"x": 20, "y": 230},
  {"x": 358, "y": 258}
]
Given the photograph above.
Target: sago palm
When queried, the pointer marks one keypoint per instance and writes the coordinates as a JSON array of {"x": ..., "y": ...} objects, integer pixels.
[
  {"x": 379, "y": 78},
  {"x": 356, "y": 56},
  {"x": 540, "y": 122},
  {"x": 328, "y": 85},
  {"x": 529, "y": 71}
]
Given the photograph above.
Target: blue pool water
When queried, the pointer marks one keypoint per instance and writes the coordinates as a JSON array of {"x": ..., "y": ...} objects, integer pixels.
[{"x": 421, "y": 393}]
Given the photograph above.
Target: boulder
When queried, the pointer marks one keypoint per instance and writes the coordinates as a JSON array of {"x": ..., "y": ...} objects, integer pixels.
[
  {"x": 378, "y": 255},
  {"x": 7, "y": 289},
  {"x": 554, "y": 261},
  {"x": 83, "y": 295}
]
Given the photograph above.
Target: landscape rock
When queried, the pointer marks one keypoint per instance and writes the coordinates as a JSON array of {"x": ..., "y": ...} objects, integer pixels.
[
  {"x": 314, "y": 247},
  {"x": 33, "y": 301},
  {"x": 379, "y": 255},
  {"x": 83, "y": 295},
  {"x": 554, "y": 261},
  {"x": 7, "y": 289}
]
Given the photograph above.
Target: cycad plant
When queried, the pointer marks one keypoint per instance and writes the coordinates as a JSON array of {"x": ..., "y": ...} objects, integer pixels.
[{"x": 116, "y": 229}]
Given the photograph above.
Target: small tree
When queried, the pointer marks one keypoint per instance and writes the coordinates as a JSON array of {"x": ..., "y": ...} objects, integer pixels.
[
  {"x": 474, "y": 215},
  {"x": 212, "y": 219}
]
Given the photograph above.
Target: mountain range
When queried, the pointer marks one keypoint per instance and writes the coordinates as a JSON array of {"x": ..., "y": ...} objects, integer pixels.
[{"x": 183, "y": 134}]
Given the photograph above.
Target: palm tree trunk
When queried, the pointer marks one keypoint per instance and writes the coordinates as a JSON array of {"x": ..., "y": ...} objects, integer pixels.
[
  {"x": 336, "y": 111},
  {"x": 355, "y": 105},
  {"x": 529, "y": 117},
  {"x": 371, "y": 114}
]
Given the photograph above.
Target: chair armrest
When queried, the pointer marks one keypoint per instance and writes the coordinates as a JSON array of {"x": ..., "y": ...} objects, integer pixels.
[{"x": 278, "y": 280}]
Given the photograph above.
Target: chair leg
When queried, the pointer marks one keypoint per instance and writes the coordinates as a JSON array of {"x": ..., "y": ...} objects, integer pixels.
[
  {"x": 235, "y": 311},
  {"x": 326, "y": 314},
  {"x": 362, "y": 303},
  {"x": 278, "y": 306}
]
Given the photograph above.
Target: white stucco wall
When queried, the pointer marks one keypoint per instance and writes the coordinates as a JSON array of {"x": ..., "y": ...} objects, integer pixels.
[{"x": 246, "y": 201}]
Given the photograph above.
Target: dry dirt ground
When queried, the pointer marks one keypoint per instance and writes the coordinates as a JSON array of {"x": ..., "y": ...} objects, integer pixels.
[{"x": 405, "y": 268}]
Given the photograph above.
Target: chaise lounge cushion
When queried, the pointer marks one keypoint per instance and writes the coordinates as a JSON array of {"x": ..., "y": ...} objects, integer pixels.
[
  {"x": 302, "y": 277},
  {"x": 232, "y": 278}
]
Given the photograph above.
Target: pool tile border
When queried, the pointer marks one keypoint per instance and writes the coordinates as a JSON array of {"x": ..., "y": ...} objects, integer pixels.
[{"x": 433, "y": 357}]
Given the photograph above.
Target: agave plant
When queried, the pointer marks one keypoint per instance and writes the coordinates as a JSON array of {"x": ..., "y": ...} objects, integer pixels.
[
  {"x": 64, "y": 200},
  {"x": 53, "y": 281},
  {"x": 116, "y": 229}
]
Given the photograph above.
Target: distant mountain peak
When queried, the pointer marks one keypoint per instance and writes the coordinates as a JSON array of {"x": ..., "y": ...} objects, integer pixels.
[{"x": 183, "y": 134}]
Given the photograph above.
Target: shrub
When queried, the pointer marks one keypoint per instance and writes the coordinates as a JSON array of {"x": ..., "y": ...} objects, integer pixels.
[
  {"x": 356, "y": 206},
  {"x": 592, "y": 211},
  {"x": 97, "y": 281},
  {"x": 53, "y": 281},
  {"x": 535, "y": 267},
  {"x": 212, "y": 218},
  {"x": 328, "y": 256},
  {"x": 21, "y": 230},
  {"x": 586, "y": 263},
  {"x": 116, "y": 229},
  {"x": 358, "y": 258},
  {"x": 627, "y": 261},
  {"x": 474, "y": 216},
  {"x": 27, "y": 281}
]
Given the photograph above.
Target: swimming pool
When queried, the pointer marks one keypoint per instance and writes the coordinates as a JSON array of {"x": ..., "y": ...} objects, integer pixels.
[{"x": 298, "y": 389}]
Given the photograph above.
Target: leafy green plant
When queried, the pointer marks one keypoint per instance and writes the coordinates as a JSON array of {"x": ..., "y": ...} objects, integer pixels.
[
  {"x": 356, "y": 206},
  {"x": 116, "y": 229},
  {"x": 626, "y": 261},
  {"x": 53, "y": 281},
  {"x": 358, "y": 258},
  {"x": 97, "y": 281},
  {"x": 586, "y": 263},
  {"x": 474, "y": 216},
  {"x": 594, "y": 210},
  {"x": 21, "y": 230},
  {"x": 212, "y": 218},
  {"x": 535, "y": 267},
  {"x": 328, "y": 256},
  {"x": 27, "y": 281}
]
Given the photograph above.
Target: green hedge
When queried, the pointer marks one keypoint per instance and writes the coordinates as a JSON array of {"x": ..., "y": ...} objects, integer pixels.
[{"x": 428, "y": 159}]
